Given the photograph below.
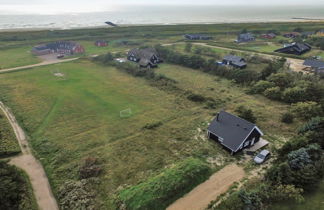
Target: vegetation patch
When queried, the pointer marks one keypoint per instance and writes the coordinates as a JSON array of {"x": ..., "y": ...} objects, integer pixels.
[
  {"x": 161, "y": 190},
  {"x": 8, "y": 142}
]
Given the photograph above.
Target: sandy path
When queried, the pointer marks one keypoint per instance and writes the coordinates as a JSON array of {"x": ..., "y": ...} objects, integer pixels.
[
  {"x": 31, "y": 166},
  {"x": 203, "y": 194},
  {"x": 44, "y": 63}
]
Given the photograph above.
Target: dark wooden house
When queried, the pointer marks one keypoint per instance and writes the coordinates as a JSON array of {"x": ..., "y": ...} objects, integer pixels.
[
  {"x": 268, "y": 36},
  {"x": 235, "y": 61},
  {"x": 101, "y": 43},
  {"x": 246, "y": 37},
  {"x": 197, "y": 37},
  {"x": 147, "y": 57},
  {"x": 233, "y": 132},
  {"x": 291, "y": 35},
  {"x": 295, "y": 48}
]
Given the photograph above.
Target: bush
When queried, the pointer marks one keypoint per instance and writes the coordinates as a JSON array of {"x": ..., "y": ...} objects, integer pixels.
[
  {"x": 196, "y": 97},
  {"x": 89, "y": 168},
  {"x": 261, "y": 86},
  {"x": 14, "y": 193},
  {"x": 150, "y": 126},
  {"x": 246, "y": 114},
  {"x": 273, "y": 93},
  {"x": 161, "y": 190},
  {"x": 287, "y": 118},
  {"x": 76, "y": 195},
  {"x": 306, "y": 110},
  {"x": 295, "y": 94}
]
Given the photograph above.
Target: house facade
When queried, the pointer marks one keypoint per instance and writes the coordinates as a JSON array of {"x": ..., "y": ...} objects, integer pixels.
[
  {"x": 291, "y": 35},
  {"x": 235, "y": 61},
  {"x": 295, "y": 49},
  {"x": 197, "y": 37},
  {"x": 61, "y": 47},
  {"x": 315, "y": 66},
  {"x": 233, "y": 132},
  {"x": 268, "y": 36},
  {"x": 147, "y": 57},
  {"x": 101, "y": 43},
  {"x": 320, "y": 32},
  {"x": 247, "y": 37}
]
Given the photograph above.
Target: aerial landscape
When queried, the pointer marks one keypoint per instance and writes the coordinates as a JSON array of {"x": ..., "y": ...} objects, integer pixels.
[{"x": 177, "y": 105}]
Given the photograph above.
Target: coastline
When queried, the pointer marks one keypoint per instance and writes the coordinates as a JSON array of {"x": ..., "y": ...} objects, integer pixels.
[{"x": 292, "y": 20}]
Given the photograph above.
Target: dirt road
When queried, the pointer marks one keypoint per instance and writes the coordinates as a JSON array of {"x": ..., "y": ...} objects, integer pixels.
[
  {"x": 31, "y": 166},
  {"x": 44, "y": 63},
  {"x": 203, "y": 194}
]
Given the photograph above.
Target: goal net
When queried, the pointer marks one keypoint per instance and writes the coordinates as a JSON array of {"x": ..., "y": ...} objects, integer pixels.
[{"x": 125, "y": 113}]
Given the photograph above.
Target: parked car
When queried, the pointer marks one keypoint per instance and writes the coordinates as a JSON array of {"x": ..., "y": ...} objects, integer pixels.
[
  {"x": 60, "y": 56},
  {"x": 262, "y": 156}
]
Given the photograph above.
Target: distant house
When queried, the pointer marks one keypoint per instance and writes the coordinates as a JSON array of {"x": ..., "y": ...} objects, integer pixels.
[
  {"x": 197, "y": 37},
  {"x": 268, "y": 36},
  {"x": 147, "y": 57},
  {"x": 316, "y": 66},
  {"x": 247, "y": 37},
  {"x": 233, "y": 132},
  {"x": 60, "y": 47},
  {"x": 101, "y": 43},
  {"x": 291, "y": 35},
  {"x": 234, "y": 61},
  {"x": 295, "y": 49},
  {"x": 320, "y": 32}
]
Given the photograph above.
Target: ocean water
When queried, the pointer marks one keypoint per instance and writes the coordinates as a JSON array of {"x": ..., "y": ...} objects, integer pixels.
[{"x": 141, "y": 15}]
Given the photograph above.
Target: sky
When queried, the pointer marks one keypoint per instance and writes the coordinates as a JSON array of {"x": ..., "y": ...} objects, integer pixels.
[{"x": 78, "y": 6}]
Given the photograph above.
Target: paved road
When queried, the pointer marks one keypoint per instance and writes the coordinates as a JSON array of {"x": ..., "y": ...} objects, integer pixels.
[
  {"x": 33, "y": 168},
  {"x": 44, "y": 63},
  {"x": 203, "y": 194}
]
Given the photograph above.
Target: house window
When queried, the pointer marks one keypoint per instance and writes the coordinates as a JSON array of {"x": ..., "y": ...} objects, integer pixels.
[{"x": 246, "y": 143}]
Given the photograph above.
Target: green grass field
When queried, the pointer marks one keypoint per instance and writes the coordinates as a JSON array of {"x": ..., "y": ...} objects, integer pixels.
[
  {"x": 71, "y": 119},
  {"x": 19, "y": 56},
  {"x": 8, "y": 142}
]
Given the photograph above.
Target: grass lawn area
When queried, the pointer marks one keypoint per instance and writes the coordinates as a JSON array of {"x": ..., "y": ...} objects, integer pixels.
[
  {"x": 91, "y": 49},
  {"x": 71, "y": 119},
  {"x": 268, "y": 112},
  {"x": 8, "y": 142},
  {"x": 14, "y": 57}
]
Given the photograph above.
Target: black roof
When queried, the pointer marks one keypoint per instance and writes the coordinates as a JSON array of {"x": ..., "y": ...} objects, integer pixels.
[
  {"x": 236, "y": 60},
  {"x": 296, "y": 47},
  {"x": 234, "y": 130},
  {"x": 314, "y": 63}
]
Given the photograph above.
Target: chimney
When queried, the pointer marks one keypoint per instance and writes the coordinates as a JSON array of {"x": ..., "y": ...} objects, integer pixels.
[{"x": 217, "y": 117}]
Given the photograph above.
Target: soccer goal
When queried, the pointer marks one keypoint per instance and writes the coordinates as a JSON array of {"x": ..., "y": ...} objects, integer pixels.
[{"x": 125, "y": 113}]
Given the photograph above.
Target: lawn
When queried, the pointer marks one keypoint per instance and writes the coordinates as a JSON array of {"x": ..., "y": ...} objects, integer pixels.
[
  {"x": 267, "y": 111},
  {"x": 76, "y": 117},
  {"x": 19, "y": 56},
  {"x": 8, "y": 142}
]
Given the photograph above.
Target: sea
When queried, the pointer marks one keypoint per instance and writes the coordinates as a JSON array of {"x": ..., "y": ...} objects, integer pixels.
[{"x": 163, "y": 15}]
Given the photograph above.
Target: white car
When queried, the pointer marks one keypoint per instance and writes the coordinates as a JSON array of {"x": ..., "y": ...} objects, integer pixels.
[{"x": 262, "y": 156}]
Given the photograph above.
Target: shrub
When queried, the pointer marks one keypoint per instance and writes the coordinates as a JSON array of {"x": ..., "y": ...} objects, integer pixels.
[
  {"x": 261, "y": 86},
  {"x": 196, "y": 97},
  {"x": 89, "y": 168},
  {"x": 282, "y": 80},
  {"x": 150, "y": 126},
  {"x": 161, "y": 190},
  {"x": 287, "y": 118},
  {"x": 293, "y": 95},
  {"x": 273, "y": 93},
  {"x": 246, "y": 114},
  {"x": 76, "y": 195},
  {"x": 306, "y": 110}
]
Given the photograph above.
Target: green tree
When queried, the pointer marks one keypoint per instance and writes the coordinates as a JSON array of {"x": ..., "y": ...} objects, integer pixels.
[
  {"x": 306, "y": 110},
  {"x": 246, "y": 114},
  {"x": 188, "y": 47},
  {"x": 261, "y": 86}
]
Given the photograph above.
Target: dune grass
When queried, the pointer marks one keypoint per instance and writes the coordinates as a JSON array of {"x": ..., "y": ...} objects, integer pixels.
[
  {"x": 19, "y": 56},
  {"x": 8, "y": 142}
]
